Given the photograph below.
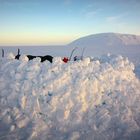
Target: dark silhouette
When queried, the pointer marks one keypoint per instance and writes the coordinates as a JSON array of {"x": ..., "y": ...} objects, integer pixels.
[
  {"x": 30, "y": 57},
  {"x": 2, "y": 52},
  {"x": 18, "y": 55},
  {"x": 46, "y": 57}
]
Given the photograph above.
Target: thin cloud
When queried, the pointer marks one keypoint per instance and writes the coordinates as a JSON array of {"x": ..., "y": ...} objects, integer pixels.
[
  {"x": 117, "y": 22},
  {"x": 92, "y": 13},
  {"x": 67, "y": 2},
  {"x": 113, "y": 18},
  {"x": 116, "y": 18}
]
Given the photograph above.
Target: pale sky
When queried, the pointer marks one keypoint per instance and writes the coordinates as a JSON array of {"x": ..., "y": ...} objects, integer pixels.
[{"x": 57, "y": 22}]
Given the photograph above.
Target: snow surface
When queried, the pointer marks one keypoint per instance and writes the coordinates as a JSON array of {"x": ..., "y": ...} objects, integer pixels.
[{"x": 96, "y": 99}]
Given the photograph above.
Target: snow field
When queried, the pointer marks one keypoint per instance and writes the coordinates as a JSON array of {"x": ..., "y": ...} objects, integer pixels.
[{"x": 88, "y": 99}]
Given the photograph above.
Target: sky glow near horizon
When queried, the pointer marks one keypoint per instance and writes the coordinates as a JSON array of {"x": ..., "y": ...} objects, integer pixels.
[{"x": 56, "y": 22}]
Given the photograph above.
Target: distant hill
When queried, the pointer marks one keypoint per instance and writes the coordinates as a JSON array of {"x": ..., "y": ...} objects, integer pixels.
[
  {"x": 107, "y": 39},
  {"x": 114, "y": 43}
]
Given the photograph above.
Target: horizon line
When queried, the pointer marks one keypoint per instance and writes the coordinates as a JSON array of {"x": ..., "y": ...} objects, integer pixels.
[{"x": 43, "y": 45}]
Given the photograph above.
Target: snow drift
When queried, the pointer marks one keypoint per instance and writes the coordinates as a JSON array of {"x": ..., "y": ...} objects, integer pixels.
[{"x": 96, "y": 99}]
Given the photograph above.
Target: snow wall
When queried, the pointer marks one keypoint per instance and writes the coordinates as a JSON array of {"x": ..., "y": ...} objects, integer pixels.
[{"x": 92, "y": 99}]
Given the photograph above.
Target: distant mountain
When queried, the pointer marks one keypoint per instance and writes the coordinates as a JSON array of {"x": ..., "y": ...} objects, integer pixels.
[{"x": 107, "y": 39}]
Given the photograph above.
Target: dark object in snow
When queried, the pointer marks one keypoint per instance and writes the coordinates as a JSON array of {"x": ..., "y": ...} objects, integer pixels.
[
  {"x": 2, "y": 52},
  {"x": 40, "y": 113},
  {"x": 49, "y": 97},
  {"x": 46, "y": 57},
  {"x": 43, "y": 58},
  {"x": 30, "y": 57},
  {"x": 50, "y": 94},
  {"x": 103, "y": 103},
  {"x": 18, "y": 55},
  {"x": 76, "y": 58}
]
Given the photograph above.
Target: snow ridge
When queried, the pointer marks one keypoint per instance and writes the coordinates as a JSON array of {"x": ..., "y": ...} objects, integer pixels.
[{"x": 87, "y": 99}]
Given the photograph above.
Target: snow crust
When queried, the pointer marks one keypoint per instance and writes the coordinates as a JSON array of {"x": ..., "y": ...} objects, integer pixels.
[{"x": 96, "y": 98}]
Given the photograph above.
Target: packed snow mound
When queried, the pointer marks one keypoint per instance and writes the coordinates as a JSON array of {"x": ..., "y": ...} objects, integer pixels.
[
  {"x": 95, "y": 98},
  {"x": 108, "y": 39}
]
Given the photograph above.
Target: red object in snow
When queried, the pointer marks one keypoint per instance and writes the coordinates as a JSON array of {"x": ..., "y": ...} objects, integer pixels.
[{"x": 65, "y": 59}]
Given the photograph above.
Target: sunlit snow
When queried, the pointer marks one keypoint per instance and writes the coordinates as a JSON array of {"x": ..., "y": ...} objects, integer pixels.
[{"x": 96, "y": 98}]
